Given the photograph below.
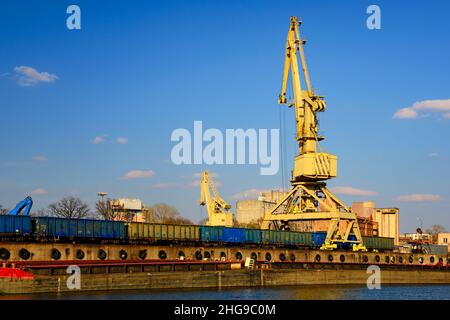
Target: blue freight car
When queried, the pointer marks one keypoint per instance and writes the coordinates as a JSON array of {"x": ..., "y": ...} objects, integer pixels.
[
  {"x": 233, "y": 235},
  {"x": 222, "y": 234},
  {"x": 318, "y": 238},
  {"x": 79, "y": 228},
  {"x": 10, "y": 224}
]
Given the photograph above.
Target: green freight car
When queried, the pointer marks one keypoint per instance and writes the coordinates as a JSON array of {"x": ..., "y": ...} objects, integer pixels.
[
  {"x": 289, "y": 238},
  {"x": 159, "y": 232},
  {"x": 378, "y": 243}
]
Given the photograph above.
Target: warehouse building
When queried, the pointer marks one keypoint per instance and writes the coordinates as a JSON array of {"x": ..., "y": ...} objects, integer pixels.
[
  {"x": 443, "y": 239},
  {"x": 251, "y": 212},
  {"x": 125, "y": 209}
]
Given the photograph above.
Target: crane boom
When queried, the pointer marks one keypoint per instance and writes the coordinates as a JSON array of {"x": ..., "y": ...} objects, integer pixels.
[
  {"x": 218, "y": 209},
  {"x": 23, "y": 206},
  {"x": 309, "y": 199}
]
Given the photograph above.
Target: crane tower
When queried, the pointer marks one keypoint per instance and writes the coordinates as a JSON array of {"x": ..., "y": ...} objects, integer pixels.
[
  {"x": 309, "y": 199},
  {"x": 218, "y": 209}
]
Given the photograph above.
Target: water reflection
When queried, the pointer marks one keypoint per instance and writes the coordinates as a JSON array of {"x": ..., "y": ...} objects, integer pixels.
[{"x": 329, "y": 292}]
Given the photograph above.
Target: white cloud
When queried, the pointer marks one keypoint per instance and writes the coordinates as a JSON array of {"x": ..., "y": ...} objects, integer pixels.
[
  {"x": 433, "y": 154},
  {"x": 406, "y": 113},
  {"x": 440, "y": 106},
  {"x": 353, "y": 191},
  {"x": 248, "y": 194},
  {"x": 122, "y": 140},
  {"x": 138, "y": 174},
  {"x": 28, "y": 76},
  {"x": 39, "y": 192},
  {"x": 417, "y": 197},
  {"x": 433, "y": 105},
  {"x": 40, "y": 158},
  {"x": 98, "y": 140}
]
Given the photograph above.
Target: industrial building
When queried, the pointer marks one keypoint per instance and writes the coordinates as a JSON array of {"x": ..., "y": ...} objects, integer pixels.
[
  {"x": 386, "y": 219},
  {"x": 125, "y": 209},
  {"x": 251, "y": 212},
  {"x": 443, "y": 239}
]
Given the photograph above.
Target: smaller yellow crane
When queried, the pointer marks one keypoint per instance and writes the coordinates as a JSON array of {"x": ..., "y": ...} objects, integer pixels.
[{"x": 218, "y": 209}]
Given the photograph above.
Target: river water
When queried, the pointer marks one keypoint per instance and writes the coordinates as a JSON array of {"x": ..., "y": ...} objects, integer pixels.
[{"x": 330, "y": 292}]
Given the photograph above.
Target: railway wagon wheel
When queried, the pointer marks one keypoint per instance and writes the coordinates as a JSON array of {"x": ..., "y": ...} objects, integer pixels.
[{"x": 24, "y": 254}]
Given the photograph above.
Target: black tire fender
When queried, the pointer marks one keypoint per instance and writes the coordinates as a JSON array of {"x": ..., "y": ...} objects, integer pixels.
[
  {"x": 24, "y": 254},
  {"x": 123, "y": 254},
  {"x": 101, "y": 254},
  {"x": 4, "y": 254},
  {"x": 55, "y": 254},
  {"x": 79, "y": 254},
  {"x": 162, "y": 255}
]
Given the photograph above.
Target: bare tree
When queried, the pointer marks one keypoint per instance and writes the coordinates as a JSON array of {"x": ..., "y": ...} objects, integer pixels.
[
  {"x": 183, "y": 220},
  {"x": 41, "y": 213},
  {"x": 69, "y": 207},
  {"x": 3, "y": 210},
  {"x": 165, "y": 213},
  {"x": 104, "y": 210},
  {"x": 434, "y": 230}
]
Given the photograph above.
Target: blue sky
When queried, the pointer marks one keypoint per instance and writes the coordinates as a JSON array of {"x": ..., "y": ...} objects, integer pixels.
[{"x": 137, "y": 71}]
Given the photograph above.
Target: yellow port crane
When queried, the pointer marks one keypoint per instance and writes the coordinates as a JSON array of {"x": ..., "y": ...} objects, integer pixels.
[
  {"x": 309, "y": 198},
  {"x": 218, "y": 209}
]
